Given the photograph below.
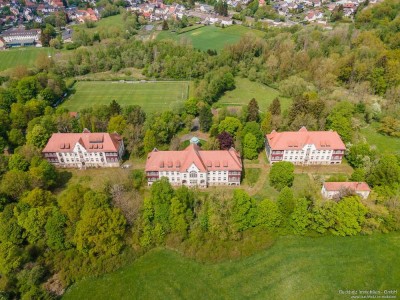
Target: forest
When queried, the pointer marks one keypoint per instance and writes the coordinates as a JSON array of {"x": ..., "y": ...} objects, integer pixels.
[{"x": 53, "y": 233}]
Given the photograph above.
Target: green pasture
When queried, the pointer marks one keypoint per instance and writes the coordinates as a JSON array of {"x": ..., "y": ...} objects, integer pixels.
[
  {"x": 151, "y": 96},
  {"x": 246, "y": 90},
  {"x": 298, "y": 268},
  {"x": 210, "y": 37},
  {"x": 27, "y": 56}
]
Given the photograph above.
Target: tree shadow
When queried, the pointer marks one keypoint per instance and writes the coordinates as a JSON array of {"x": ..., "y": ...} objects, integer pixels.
[{"x": 63, "y": 178}]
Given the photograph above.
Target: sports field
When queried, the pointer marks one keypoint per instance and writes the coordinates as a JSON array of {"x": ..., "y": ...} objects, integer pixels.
[
  {"x": 21, "y": 56},
  {"x": 151, "y": 96},
  {"x": 246, "y": 90},
  {"x": 300, "y": 268},
  {"x": 211, "y": 37}
]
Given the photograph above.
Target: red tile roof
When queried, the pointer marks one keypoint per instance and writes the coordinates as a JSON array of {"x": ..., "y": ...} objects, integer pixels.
[
  {"x": 355, "y": 186},
  {"x": 292, "y": 140},
  {"x": 92, "y": 142},
  {"x": 213, "y": 160}
]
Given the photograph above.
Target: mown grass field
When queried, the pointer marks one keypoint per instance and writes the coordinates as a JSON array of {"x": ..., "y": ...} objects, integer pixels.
[
  {"x": 151, "y": 96},
  {"x": 109, "y": 24},
  {"x": 293, "y": 268},
  {"x": 383, "y": 143},
  {"x": 246, "y": 90},
  {"x": 21, "y": 57},
  {"x": 210, "y": 37}
]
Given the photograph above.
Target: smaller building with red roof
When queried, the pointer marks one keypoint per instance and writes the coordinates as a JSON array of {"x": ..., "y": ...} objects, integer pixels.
[
  {"x": 305, "y": 147},
  {"x": 86, "y": 149},
  {"x": 332, "y": 190},
  {"x": 195, "y": 167}
]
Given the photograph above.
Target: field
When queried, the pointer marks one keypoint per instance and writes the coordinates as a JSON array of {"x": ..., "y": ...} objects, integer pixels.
[
  {"x": 384, "y": 144},
  {"x": 151, "y": 96},
  {"x": 210, "y": 37},
  {"x": 246, "y": 90},
  {"x": 109, "y": 24},
  {"x": 21, "y": 56},
  {"x": 293, "y": 268}
]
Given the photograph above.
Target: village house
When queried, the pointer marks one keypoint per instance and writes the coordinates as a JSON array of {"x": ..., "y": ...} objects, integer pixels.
[
  {"x": 305, "y": 147},
  {"x": 331, "y": 190},
  {"x": 195, "y": 167},
  {"x": 86, "y": 149}
]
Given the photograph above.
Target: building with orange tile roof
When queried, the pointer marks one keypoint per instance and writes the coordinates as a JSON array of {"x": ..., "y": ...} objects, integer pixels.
[
  {"x": 332, "y": 190},
  {"x": 305, "y": 147},
  {"x": 195, "y": 167},
  {"x": 86, "y": 149}
]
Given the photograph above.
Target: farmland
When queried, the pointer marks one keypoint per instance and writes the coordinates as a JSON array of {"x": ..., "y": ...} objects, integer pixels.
[
  {"x": 293, "y": 268},
  {"x": 21, "y": 56},
  {"x": 246, "y": 90},
  {"x": 151, "y": 96},
  {"x": 210, "y": 37}
]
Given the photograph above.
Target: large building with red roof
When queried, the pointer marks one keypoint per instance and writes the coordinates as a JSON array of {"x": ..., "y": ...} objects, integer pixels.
[
  {"x": 305, "y": 147},
  {"x": 86, "y": 149},
  {"x": 333, "y": 190},
  {"x": 195, "y": 167}
]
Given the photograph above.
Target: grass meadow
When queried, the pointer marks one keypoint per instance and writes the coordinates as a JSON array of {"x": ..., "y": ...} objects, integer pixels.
[
  {"x": 210, "y": 37},
  {"x": 383, "y": 143},
  {"x": 292, "y": 268},
  {"x": 246, "y": 90},
  {"x": 21, "y": 56},
  {"x": 151, "y": 96}
]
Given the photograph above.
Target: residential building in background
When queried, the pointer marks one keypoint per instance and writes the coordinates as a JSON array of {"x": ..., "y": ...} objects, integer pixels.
[
  {"x": 20, "y": 37},
  {"x": 82, "y": 150},
  {"x": 305, "y": 147},
  {"x": 195, "y": 167},
  {"x": 331, "y": 190}
]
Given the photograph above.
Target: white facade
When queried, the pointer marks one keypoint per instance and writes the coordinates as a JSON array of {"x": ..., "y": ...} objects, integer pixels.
[
  {"x": 308, "y": 155},
  {"x": 333, "y": 194}
]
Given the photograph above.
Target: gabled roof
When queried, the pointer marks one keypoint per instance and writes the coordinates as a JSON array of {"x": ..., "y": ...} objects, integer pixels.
[
  {"x": 92, "y": 142},
  {"x": 213, "y": 160},
  {"x": 295, "y": 140},
  {"x": 354, "y": 186}
]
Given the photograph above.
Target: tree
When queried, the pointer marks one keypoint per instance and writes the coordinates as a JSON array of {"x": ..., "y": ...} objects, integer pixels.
[
  {"x": 231, "y": 125},
  {"x": 10, "y": 258},
  {"x": 205, "y": 118},
  {"x": 43, "y": 175},
  {"x": 165, "y": 25},
  {"x": 243, "y": 211},
  {"x": 254, "y": 129},
  {"x": 28, "y": 88},
  {"x": 286, "y": 203},
  {"x": 268, "y": 214},
  {"x": 101, "y": 228},
  {"x": 38, "y": 136},
  {"x": 225, "y": 140},
  {"x": 117, "y": 124},
  {"x": 253, "y": 111},
  {"x": 177, "y": 218},
  {"x": 47, "y": 34},
  {"x": 18, "y": 162},
  {"x": 149, "y": 141},
  {"x": 385, "y": 173},
  {"x": 115, "y": 108},
  {"x": 339, "y": 120},
  {"x": 250, "y": 147},
  {"x": 275, "y": 107},
  {"x": 266, "y": 123},
  {"x": 390, "y": 126},
  {"x": 359, "y": 154},
  {"x": 55, "y": 237},
  {"x": 14, "y": 183},
  {"x": 300, "y": 219},
  {"x": 138, "y": 179},
  {"x": 191, "y": 106},
  {"x": 281, "y": 175},
  {"x": 349, "y": 216}
]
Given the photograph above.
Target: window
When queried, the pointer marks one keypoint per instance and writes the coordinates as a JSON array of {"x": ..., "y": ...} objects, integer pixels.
[{"x": 193, "y": 174}]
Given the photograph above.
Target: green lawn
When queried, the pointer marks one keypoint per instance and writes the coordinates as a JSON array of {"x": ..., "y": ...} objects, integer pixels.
[
  {"x": 109, "y": 24},
  {"x": 246, "y": 90},
  {"x": 151, "y": 96},
  {"x": 21, "y": 56},
  {"x": 293, "y": 268},
  {"x": 211, "y": 37},
  {"x": 382, "y": 142}
]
